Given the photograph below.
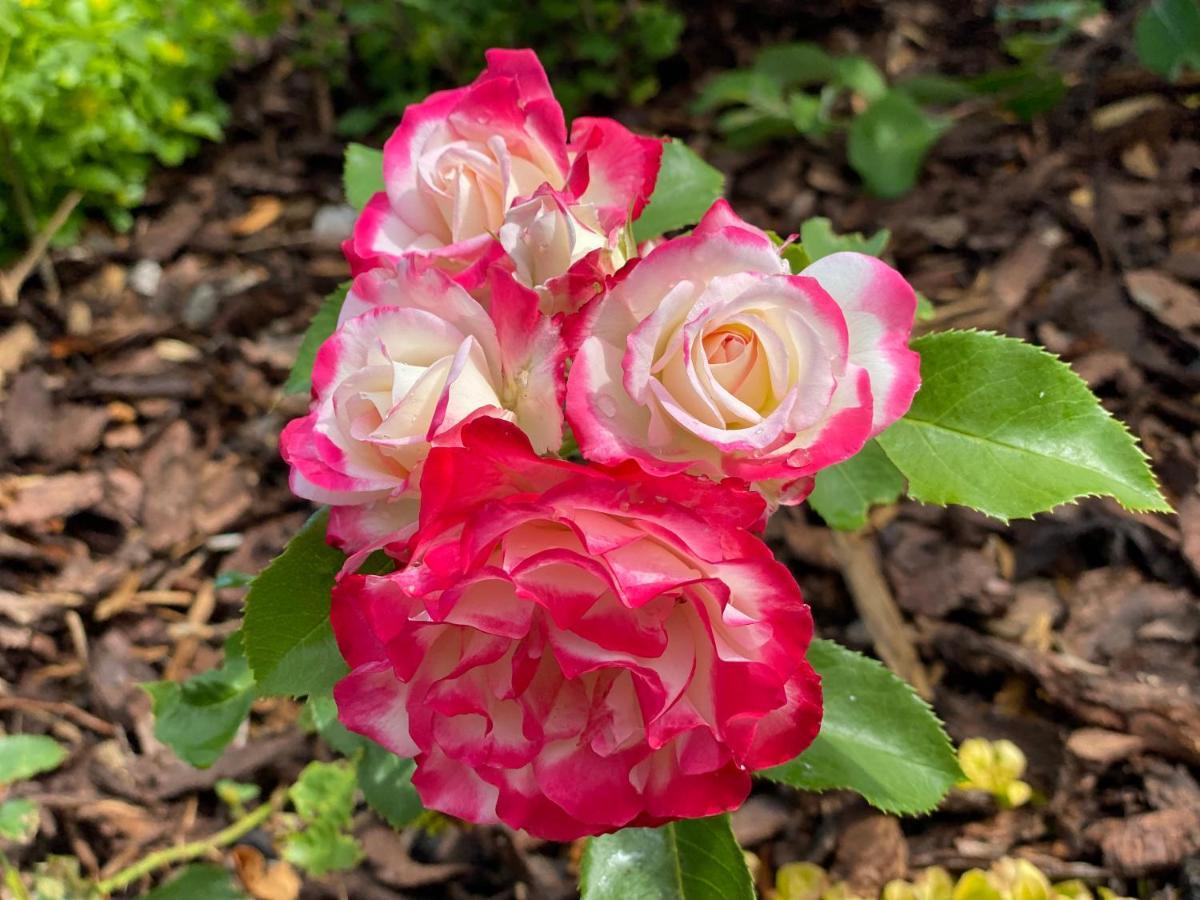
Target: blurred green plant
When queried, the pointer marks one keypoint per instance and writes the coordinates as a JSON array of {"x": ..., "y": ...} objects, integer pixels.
[
  {"x": 890, "y": 128},
  {"x": 400, "y": 50},
  {"x": 94, "y": 92},
  {"x": 802, "y": 88},
  {"x": 1167, "y": 37}
]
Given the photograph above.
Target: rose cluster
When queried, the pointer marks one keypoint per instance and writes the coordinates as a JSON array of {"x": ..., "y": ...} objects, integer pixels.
[{"x": 571, "y": 647}]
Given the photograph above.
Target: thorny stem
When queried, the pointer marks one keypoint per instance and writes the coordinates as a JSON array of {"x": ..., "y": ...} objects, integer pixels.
[{"x": 186, "y": 852}]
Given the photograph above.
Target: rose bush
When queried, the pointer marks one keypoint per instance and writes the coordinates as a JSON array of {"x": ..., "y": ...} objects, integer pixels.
[
  {"x": 459, "y": 162},
  {"x": 413, "y": 358},
  {"x": 710, "y": 357},
  {"x": 571, "y": 649}
]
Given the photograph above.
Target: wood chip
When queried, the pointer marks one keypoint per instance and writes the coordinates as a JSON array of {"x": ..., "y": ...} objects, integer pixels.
[
  {"x": 1150, "y": 842},
  {"x": 36, "y": 498},
  {"x": 30, "y": 608},
  {"x": 264, "y": 212},
  {"x": 1103, "y": 747},
  {"x": 1172, "y": 302},
  {"x": 170, "y": 468}
]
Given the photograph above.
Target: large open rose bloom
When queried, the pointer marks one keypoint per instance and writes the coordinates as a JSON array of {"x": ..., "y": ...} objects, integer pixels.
[
  {"x": 710, "y": 357},
  {"x": 460, "y": 159},
  {"x": 415, "y": 356},
  {"x": 572, "y": 650}
]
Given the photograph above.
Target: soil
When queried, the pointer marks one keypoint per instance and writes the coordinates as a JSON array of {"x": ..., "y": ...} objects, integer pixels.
[{"x": 141, "y": 411}]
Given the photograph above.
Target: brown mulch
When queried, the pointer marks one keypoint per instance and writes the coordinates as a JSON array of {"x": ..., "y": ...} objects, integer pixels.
[{"x": 138, "y": 461}]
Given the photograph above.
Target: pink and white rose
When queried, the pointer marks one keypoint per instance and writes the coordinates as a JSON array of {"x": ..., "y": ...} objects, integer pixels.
[
  {"x": 460, "y": 159},
  {"x": 413, "y": 358},
  {"x": 572, "y": 650},
  {"x": 711, "y": 358}
]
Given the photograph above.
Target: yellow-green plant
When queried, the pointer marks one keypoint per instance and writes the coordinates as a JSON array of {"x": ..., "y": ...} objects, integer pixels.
[
  {"x": 995, "y": 767},
  {"x": 94, "y": 92}
]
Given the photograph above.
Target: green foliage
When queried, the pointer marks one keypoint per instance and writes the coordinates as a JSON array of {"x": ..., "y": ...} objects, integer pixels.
[
  {"x": 386, "y": 782},
  {"x": 819, "y": 240},
  {"x": 687, "y": 186},
  {"x": 1167, "y": 37},
  {"x": 25, "y": 755},
  {"x": 323, "y": 797},
  {"x": 198, "y": 718},
  {"x": 1005, "y": 428},
  {"x": 401, "y": 50},
  {"x": 319, "y": 329},
  {"x": 59, "y": 878},
  {"x": 887, "y": 144},
  {"x": 199, "y": 880},
  {"x": 696, "y": 859},
  {"x": 844, "y": 494},
  {"x": 362, "y": 174},
  {"x": 93, "y": 92},
  {"x": 18, "y": 820},
  {"x": 878, "y": 738},
  {"x": 802, "y": 88},
  {"x": 289, "y": 642},
  {"x": 1033, "y": 32},
  {"x": 384, "y": 778}
]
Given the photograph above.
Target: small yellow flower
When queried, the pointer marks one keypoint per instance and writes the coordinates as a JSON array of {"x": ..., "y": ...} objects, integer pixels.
[
  {"x": 801, "y": 881},
  {"x": 995, "y": 767},
  {"x": 933, "y": 883}
]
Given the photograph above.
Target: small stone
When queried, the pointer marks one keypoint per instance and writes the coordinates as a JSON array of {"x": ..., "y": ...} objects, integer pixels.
[
  {"x": 333, "y": 224},
  {"x": 201, "y": 307},
  {"x": 145, "y": 276}
]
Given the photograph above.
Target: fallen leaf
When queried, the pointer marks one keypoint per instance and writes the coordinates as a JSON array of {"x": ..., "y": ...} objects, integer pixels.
[
  {"x": 273, "y": 881},
  {"x": 263, "y": 212}
]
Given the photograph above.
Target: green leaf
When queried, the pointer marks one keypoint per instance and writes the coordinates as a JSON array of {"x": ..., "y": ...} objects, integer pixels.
[
  {"x": 25, "y": 755},
  {"x": 198, "y": 718},
  {"x": 877, "y": 738},
  {"x": 936, "y": 90},
  {"x": 322, "y": 848},
  {"x": 687, "y": 186},
  {"x": 319, "y": 329},
  {"x": 324, "y": 791},
  {"x": 362, "y": 174},
  {"x": 819, "y": 240},
  {"x": 323, "y": 796},
  {"x": 1003, "y": 427},
  {"x": 796, "y": 64},
  {"x": 887, "y": 144},
  {"x": 199, "y": 881},
  {"x": 695, "y": 859},
  {"x": 844, "y": 494},
  {"x": 860, "y": 75},
  {"x": 1028, "y": 89},
  {"x": 1167, "y": 37},
  {"x": 18, "y": 820},
  {"x": 386, "y": 783},
  {"x": 289, "y": 643}
]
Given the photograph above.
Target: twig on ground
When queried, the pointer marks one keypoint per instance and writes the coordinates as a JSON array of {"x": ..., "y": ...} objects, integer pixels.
[
  {"x": 873, "y": 598},
  {"x": 12, "y": 280}
]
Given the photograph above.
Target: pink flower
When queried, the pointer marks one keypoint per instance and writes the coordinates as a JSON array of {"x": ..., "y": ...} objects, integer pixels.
[
  {"x": 572, "y": 650},
  {"x": 561, "y": 249},
  {"x": 414, "y": 357},
  {"x": 461, "y": 158},
  {"x": 709, "y": 357}
]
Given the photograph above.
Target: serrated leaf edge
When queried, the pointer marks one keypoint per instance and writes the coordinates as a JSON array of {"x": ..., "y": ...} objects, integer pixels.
[{"x": 1134, "y": 440}]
